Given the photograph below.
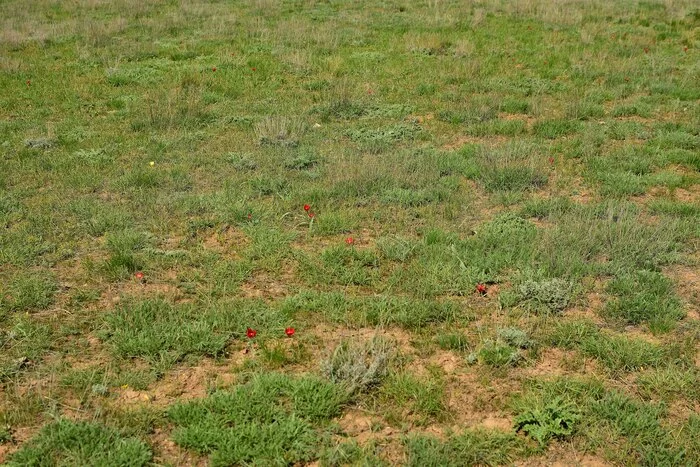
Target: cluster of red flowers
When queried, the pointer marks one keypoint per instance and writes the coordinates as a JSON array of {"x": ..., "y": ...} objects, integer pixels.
[{"x": 308, "y": 210}]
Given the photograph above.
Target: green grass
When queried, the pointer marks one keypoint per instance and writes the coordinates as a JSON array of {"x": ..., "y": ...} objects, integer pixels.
[
  {"x": 546, "y": 155},
  {"x": 66, "y": 442},
  {"x": 163, "y": 333},
  {"x": 644, "y": 296},
  {"x": 422, "y": 398},
  {"x": 470, "y": 447},
  {"x": 29, "y": 292},
  {"x": 618, "y": 353},
  {"x": 270, "y": 419},
  {"x": 629, "y": 430}
]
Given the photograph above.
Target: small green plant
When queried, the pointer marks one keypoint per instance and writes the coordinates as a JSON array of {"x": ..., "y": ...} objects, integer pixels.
[
  {"x": 456, "y": 341},
  {"x": 242, "y": 162},
  {"x": 555, "y": 419},
  {"x": 549, "y": 295},
  {"x": 496, "y": 354},
  {"x": 5, "y": 435},
  {"x": 359, "y": 367},
  {"x": 302, "y": 159},
  {"x": 515, "y": 337},
  {"x": 505, "y": 351}
]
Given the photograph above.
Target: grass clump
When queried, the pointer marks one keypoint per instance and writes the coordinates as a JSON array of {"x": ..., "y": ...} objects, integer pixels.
[
  {"x": 272, "y": 419},
  {"x": 474, "y": 447},
  {"x": 397, "y": 248},
  {"x": 23, "y": 341},
  {"x": 125, "y": 254},
  {"x": 28, "y": 292},
  {"x": 608, "y": 239},
  {"x": 670, "y": 382},
  {"x": 422, "y": 398},
  {"x": 553, "y": 128},
  {"x": 343, "y": 266},
  {"x": 456, "y": 341},
  {"x": 510, "y": 169},
  {"x": 280, "y": 131},
  {"x": 66, "y": 442},
  {"x": 644, "y": 296},
  {"x": 411, "y": 314},
  {"x": 618, "y": 353},
  {"x": 163, "y": 333},
  {"x": 352, "y": 453},
  {"x": 507, "y": 350},
  {"x": 621, "y": 353},
  {"x": 376, "y": 140}
]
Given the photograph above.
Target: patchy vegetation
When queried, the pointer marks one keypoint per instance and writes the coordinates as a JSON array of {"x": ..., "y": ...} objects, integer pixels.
[{"x": 349, "y": 233}]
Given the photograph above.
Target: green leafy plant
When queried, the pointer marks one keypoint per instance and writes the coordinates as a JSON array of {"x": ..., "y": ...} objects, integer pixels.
[{"x": 555, "y": 419}]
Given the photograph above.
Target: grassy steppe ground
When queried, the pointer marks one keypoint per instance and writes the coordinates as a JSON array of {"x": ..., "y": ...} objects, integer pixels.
[{"x": 155, "y": 161}]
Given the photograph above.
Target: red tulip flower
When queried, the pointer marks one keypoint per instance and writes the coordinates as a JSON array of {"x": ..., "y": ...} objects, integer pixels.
[
  {"x": 213, "y": 68},
  {"x": 307, "y": 207},
  {"x": 311, "y": 214},
  {"x": 251, "y": 333},
  {"x": 253, "y": 68},
  {"x": 289, "y": 332},
  {"x": 481, "y": 288},
  {"x": 350, "y": 241},
  {"x": 139, "y": 275}
]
